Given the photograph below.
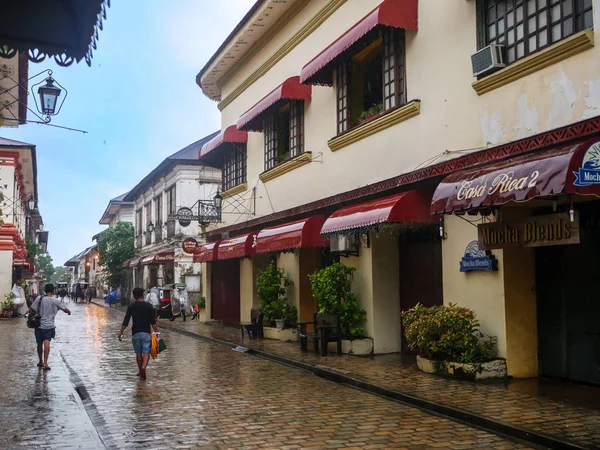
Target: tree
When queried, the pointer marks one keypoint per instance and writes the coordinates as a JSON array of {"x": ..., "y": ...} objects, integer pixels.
[{"x": 115, "y": 246}]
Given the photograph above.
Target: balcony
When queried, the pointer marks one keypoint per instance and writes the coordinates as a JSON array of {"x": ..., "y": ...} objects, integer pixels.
[{"x": 170, "y": 229}]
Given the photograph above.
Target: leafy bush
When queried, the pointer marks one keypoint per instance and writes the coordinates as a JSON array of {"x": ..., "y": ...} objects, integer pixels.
[
  {"x": 447, "y": 333},
  {"x": 332, "y": 287},
  {"x": 271, "y": 286}
]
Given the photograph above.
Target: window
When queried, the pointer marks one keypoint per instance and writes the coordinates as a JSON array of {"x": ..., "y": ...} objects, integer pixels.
[
  {"x": 158, "y": 213},
  {"x": 526, "y": 26},
  {"x": 372, "y": 80},
  {"x": 234, "y": 167},
  {"x": 284, "y": 133},
  {"x": 171, "y": 200},
  {"x": 138, "y": 222}
]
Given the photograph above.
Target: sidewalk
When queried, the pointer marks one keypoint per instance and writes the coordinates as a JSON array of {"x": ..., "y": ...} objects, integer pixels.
[{"x": 557, "y": 415}]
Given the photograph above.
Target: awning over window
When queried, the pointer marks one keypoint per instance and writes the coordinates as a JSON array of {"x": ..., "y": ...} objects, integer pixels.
[
  {"x": 207, "y": 252},
  {"x": 159, "y": 258},
  {"x": 237, "y": 247},
  {"x": 407, "y": 207},
  {"x": 230, "y": 135},
  {"x": 291, "y": 89},
  {"x": 303, "y": 233},
  {"x": 390, "y": 13},
  {"x": 23, "y": 262},
  {"x": 573, "y": 169}
]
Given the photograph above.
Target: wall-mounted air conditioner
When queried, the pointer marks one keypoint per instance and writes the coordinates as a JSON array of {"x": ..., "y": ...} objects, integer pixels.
[
  {"x": 488, "y": 60},
  {"x": 344, "y": 244}
]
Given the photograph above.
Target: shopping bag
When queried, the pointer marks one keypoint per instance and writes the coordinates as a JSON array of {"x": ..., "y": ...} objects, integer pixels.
[
  {"x": 161, "y": 345},
  {"x": 154, "y": 346}
]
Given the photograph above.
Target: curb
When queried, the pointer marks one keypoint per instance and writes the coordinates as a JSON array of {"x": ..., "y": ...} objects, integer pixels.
[{"x": 481, "y": 422}]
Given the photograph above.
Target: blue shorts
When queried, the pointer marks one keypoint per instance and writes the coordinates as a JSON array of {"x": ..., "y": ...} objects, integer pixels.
[
  {"x": 141, "y": 343},
  {"x": 42, "y": 335}
]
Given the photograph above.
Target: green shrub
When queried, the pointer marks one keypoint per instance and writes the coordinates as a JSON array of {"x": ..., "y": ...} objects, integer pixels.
[
  {"x": 447, "y": 333},
  {"x": 332, "y": 287},
  {"x": 271, "y": 286}
]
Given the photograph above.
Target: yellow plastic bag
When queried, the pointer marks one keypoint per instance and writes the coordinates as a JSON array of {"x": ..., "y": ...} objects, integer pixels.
[{"x": 154, "y": 346}]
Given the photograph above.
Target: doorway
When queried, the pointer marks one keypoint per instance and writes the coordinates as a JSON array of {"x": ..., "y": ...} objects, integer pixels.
[
  {"x": 420, "y": 255},
  {"x": 568, "y": 303}
]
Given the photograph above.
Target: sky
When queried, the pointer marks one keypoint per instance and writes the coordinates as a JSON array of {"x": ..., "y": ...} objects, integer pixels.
[{"x": 139, "y": 103}]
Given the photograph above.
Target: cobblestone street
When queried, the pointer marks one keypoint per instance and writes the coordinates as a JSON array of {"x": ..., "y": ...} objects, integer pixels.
[{"x": 198, "y": 395}]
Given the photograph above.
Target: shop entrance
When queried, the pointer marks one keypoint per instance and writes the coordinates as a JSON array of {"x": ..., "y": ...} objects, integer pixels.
[
  {"x": 226, "y": 291},
  {"x": 568, "y": 302},
  {"x": 420, "y": 270}
]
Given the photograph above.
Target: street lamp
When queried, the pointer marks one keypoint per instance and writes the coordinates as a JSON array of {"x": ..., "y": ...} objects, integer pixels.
[
  {"x": 31, "y": 203},
  {"x": 48, "y": 96},
  {"x": 150, "y": 227}
]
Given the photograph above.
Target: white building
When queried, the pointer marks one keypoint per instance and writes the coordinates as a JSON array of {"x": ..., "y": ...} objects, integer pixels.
[{"x": 181, "y": 180}]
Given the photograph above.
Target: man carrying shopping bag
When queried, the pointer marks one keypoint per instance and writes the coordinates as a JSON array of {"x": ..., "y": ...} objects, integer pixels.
[{"x": 144, "y": 319}]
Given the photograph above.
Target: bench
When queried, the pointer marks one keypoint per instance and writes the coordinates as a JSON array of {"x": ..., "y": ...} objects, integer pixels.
[
  {"x": 325, "y": 329},
  {"x": 254, "y": 328}
]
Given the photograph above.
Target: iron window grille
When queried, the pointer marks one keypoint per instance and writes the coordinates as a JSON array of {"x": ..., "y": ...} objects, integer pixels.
[
  {"x": 526, "y": 26},
  {"x": 372, "y": 79},
  {"x": 284, "y": 133}
]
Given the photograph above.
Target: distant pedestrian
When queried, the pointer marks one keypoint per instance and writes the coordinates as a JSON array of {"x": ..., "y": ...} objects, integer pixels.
[
  {"x": 144, "y": 320},
  {"x": 47, "y": 306}
]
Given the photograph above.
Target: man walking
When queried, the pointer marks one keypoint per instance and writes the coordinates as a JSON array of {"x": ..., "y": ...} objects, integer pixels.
[
  {"x": 143, "y": 318},
  {"x": 47, "y": 306}
]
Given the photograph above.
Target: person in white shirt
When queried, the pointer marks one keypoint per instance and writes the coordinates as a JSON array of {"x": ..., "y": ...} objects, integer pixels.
[{"x": 20, "y": 300}]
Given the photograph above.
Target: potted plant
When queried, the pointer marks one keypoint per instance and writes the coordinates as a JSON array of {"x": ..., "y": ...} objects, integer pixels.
[
  {"x": 8, "y": 305},
  {"x": 332, "y": 287},
  {"x": 271, "y": 286},
  {"x": 448, "y": 343}
]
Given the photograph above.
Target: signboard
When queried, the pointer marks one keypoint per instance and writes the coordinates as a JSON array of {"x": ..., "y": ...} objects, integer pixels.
[
  {"x": 589, "y": 172},
  {"x": 555, "y": 229},
  {"x": 477, "y": 259},
  {"x": 190, "y": 246}
]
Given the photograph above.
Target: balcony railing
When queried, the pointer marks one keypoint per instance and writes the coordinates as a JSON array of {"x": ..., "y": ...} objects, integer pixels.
[
  {"x": 158, "y": 232},
  {"x": 170, "y": 228},
  {"x": 138, "y": 241}
]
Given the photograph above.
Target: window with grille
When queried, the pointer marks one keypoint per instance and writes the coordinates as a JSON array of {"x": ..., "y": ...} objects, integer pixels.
[
  {"x": 234, "y": 167},
  {"x": 171, "y": 200},
  {"x": 526, "y": 26},
  {"x": 284, "y": 133},
  {"x": 372, "y": 80}
]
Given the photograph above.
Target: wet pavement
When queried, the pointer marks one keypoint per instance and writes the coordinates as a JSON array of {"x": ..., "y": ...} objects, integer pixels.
[{"x": 198, "y": 395}]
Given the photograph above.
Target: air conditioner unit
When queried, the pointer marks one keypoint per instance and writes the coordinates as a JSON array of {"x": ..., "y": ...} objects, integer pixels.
[
  {"x": 344, "y": 244},
  {"x": 488, "y": 60}
]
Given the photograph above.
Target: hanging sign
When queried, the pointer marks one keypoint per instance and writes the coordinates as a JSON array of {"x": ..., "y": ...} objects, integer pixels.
[
  {"x": 589, "y": 172},
  {"x": 540, "y": 231},
  {"x": 477, "y": 259},
  {"x": 190, "y": 246}
]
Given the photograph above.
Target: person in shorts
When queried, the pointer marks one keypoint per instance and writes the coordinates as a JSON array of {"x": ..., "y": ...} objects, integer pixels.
[
  {"x": 47, "y": 306},
  {"x": 144, "y": 320}
]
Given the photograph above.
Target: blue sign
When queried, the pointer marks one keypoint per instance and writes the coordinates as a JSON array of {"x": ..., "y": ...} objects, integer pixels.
[
  {"x": 476, "y": 259},
  {"x": 589, "y": 173}
]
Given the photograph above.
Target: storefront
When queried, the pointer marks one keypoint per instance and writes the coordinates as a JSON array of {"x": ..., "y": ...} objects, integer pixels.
[{"x": 537, "y": 234}]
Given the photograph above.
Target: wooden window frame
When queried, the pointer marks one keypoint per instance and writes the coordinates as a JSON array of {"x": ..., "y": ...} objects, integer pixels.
[
  {"x": 274, "y": 145},
  {"x": 525, "y": 27},
  {"x": 393, "y": 50},
  {"x": 234, "y": 170}
]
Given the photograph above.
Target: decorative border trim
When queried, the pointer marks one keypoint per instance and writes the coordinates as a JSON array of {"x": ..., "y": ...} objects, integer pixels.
[
  {"x": 235, "y": 190},
  {"x": 298, "y": 161},
  {"x": 560, "y": 51},
  {"x": 286, "y": 48},
  {"x": 567, "y": 134},
  {"x": 388, "y": 120}
]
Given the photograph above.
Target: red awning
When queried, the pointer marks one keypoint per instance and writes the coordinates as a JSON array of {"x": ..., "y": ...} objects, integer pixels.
[
  {"x": 303, "y": 233},
  {"x": 23, "y": 262},
  {"x": 573, "y": 169},
  {"x": 207, "y": 252},
  {"x": 407, "y": 207},
  {"x": 291, "y": 89},
  {"x": 390, "y": 13},
  {"x": 230, "y": 135},
  {"x": 237, "y": 247},
  {"x": 159, "y": 258}
]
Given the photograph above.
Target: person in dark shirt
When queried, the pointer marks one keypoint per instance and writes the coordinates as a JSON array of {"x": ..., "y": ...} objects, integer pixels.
[{"x": 144, "y": 319}]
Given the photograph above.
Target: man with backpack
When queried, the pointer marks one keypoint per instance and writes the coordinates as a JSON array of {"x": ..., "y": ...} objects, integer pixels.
[{"x": 46, "y": 306}]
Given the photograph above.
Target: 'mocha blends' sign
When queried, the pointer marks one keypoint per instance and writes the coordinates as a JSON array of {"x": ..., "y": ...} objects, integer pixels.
[
  {"x": 554, "y": 229},
  {"x": 477, "y": 259}
]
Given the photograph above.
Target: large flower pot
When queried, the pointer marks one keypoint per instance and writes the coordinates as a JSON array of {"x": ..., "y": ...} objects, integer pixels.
[{"x": 492, "y": 370}]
